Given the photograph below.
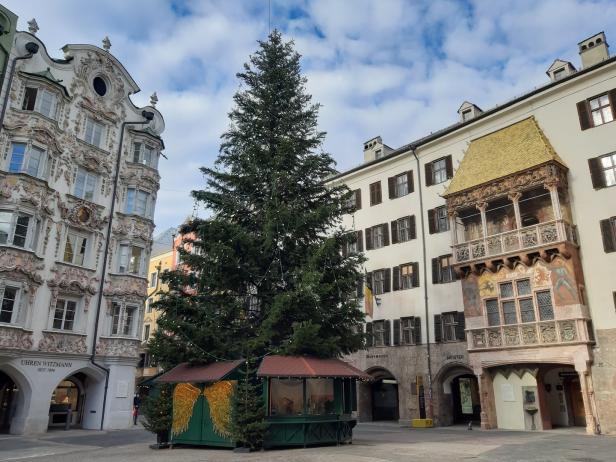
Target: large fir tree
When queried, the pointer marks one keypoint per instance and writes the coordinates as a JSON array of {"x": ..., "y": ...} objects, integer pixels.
[{"x": 267, "y": 274}]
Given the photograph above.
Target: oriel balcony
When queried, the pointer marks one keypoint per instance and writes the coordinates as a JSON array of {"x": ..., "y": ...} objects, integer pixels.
[{"x": 516, "y": 226}]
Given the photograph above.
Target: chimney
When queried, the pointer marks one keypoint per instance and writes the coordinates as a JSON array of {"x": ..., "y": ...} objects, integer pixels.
[
  {"x": 593, "y": 50},
  {"x": 375, "y": 149},
  {"x": 468, "y": 111}
]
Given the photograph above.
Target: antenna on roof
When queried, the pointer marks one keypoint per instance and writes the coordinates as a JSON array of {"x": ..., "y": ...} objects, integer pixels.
[{"x": 269, "y": 16}]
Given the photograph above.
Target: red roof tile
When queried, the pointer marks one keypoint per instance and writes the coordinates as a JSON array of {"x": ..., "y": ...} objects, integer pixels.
[
  {"x": 199, "y": 374},
  {"x": 305, "y": 366}
]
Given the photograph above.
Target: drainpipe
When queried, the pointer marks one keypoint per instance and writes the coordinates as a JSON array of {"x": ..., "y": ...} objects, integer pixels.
[
  {"x": 148, "y": 116},
  {"x": 430, "y": 410},
  {"x": 32, "y": 48}
]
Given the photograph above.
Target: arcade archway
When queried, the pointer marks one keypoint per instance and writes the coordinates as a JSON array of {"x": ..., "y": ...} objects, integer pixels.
[
  {"x": 15, "y": 394},
  {"x": 457, "y": 396},
  {"x": 384, "y": 396}
]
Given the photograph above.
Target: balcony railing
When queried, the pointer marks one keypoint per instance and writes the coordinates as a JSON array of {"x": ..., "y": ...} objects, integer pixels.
[
  {"x": 529, "y": 237},
  {"x": 528, "y": 334}
]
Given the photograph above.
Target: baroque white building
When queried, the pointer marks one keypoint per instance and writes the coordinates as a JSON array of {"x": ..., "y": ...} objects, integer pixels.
[{"x": 75, "y": 153}]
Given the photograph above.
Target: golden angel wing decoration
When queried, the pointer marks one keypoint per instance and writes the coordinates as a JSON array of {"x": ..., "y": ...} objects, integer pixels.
[{"x": 184, "y": 397}]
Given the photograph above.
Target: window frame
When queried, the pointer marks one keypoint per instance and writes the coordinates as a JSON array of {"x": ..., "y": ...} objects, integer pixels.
[
  {"x": 90, "y": 121},
  {"x": 600, "y": 109},
  {"x": 129, "y": 254},
  {"x": 138, "y": 157},
  {"x": 16, "y": 307},
  {"x": 132, "y": 209},
  {"x": 517, "y": 297},
  {"x": 449, "y": 327},
  {"x": 118, "y": 322},
  {"x": 24, "y": 166},
  {"x": 32, "y": 233},
  {"x": 439, "y": 175},
  {"x": 86, "y": 175},
  {"x": 153, "y": 280},
  {"x": 409, "y": 280},
  {"x": 444, "y": 274},
  {"x": 378, "y": 332},
  {"x": 76, "y": 313},
  {"x": 78, "y": 235},
  {"x": 36, "y": 107},
  {"x": 146, "y": 332},
  {"x": 612, "y": 158},
  {"x": 376, "y": 193},
  {"x": 407, "y": 324}
]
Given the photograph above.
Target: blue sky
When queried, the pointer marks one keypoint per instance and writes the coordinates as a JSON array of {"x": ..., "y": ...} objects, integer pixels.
[{"x": 395, "y": 68}]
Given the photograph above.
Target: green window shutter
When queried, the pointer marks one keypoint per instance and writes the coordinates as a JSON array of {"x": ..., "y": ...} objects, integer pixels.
[
  {"x": 396, "y": 332},
  {"x": 413, "y": 228},
  {"x": 432, "y": 221},
  {"x": 369, "y": 336},
  {"x": 428, "y": 167},
  {"x": 460, "y": 334},
  {"x": 607, "y": 232},
  {"x": 359, "y": 235},
  {"x": 409, "y": 179},
  {"x": 387, "y": 280},
  {"x": 396, "y": 279},
  {"x": 394, "y": 232},
  {"x": 385, "y": 234},
  {"x": 449, "y": 166},
  {"x": 438, "y": 329},
  {"x": 596, "y": 173},
  {"x": 417, "y": 329},
  {"x": 387, "y": 332},
  {"x": 369, "y": 245},
  {"x": 435, "y": 271},
  {"x": 415, "y": 274},
  {"x": 391, "y": 186},
  {"x": 584, "y": 115},
  {"x": 357, "y": 199}
]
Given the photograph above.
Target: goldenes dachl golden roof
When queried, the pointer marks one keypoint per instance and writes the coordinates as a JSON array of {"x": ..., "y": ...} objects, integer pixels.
[{"x": 504, "y": 152}]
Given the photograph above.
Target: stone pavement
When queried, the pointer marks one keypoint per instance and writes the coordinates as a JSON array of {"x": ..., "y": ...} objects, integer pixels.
[{"x": 372, "y": 443}]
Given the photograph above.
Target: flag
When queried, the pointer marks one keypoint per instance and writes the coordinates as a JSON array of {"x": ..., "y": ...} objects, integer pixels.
[{"x": 368, "y": 297}]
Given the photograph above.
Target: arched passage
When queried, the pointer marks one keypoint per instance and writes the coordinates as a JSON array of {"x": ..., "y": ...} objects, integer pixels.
[
  {"x": 378, "y": 400},
  {"x": 457, "y": 397},
  {"x": 74, "y": 398},
  {"x": 15, "y": 395}
]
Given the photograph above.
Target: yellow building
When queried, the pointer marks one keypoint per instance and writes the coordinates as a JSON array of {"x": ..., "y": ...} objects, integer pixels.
[{"x": 161, "y": 259}]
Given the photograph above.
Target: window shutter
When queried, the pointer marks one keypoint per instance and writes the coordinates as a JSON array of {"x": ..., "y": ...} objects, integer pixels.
[
  {"x": 359, "y": 235},
  {"x": 369, "y": 336},
  {"x": 369, "y": 239},
  {"x": 415, "y": 274},
  {"x": 612, "y": 96},
  {"x": 438, "y": 329},
  {"x": 449, "y": 166},
  {"x": 391, "y": 186},
  {"x": 596, "y": 173},
  {"x": 413, "y": 233},
  {"x": 359, "y": 290},
  {"x": 387, "y": 280},
  {"x": 394, "y": 232},
  {"x": 369, "y": 280},
  {"x": 409, "y": 179},
  {"x": 396, "y": 281},
  {"x": 431, "y": 221},
  {"x": 609, "y": 240},
  {"x": 357, "y": 199},
  {"x": 435, "y": 271},
  {"x": 345, "y": 245},
  {"x": 583, "y": 114},
  {"x": 385, "y": 234},
  {"x": 417, "y": 329},
  {"x": 387, "y": 332},
  {"x": 429, "y": 174},
  {"x": 460, "y": 335},
  {"x": 396, "y": 332},
  {"x": 379, "y": 193}
]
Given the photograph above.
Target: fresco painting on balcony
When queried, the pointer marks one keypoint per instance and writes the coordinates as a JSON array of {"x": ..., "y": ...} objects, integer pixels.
[
  {"x": 470, "y": 295},
  {"x": 563, "y": 282}
]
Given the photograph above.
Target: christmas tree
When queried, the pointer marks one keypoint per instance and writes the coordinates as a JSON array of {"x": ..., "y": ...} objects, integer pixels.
[{"x": 266, "y": 273}]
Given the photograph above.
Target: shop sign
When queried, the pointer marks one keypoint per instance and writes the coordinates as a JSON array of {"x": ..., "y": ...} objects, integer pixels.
[
  {"x": 454, "y": 358},
  {"x": 45, "y": 365}
]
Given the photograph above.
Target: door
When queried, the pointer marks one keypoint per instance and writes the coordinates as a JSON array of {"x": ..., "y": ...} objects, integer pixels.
[
  {"x": 466, "y": 404},
  {"x": 385, "y": 400},
  {"x": 8, "y": 399},
  {"x": 574, "y": 390}
]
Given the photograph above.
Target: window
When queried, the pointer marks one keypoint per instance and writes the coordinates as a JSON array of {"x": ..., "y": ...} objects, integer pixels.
[
  {"x": 560, "y": 73},
  {"x": 9, "y": 298},
  {"x": 603, "y": 170},
  {"x": 320, "y": 396},
  {"x": 64, "y": 315},
  {"x": 608, "y": 233},
  {"x": 94, "y": 133},
  {"x": 544, "y": 303},
  {"x": 153, "y": 279},
  {"x": 99, "y": 85},
  {"x": 406, "y": 276},
  {"x": 400, "y": 185},
  {"x": 146, "y": 332},
  {"x": 449, "y": 327},
  {"x": 144, "y": 154},
  {"x": 403, "y": 229},
  {"x": 597, "y": 110},
  {"x": 492, "y": 312},
  {"x": 18, "y": 229},
  {"x": 377, "y": 236},
  {"x": 354, "y": 201},
  {"x": 41, "y": 101},
  {"x": 409, "y": 331},
  {"x": 137, "y": 202},
  {"x": 439, "y": 171},
  {"x": 375, "y": 193},
  {"x": 123, "y": 319},
  {"x": 354, "y": 243},
  {"x": 286, "y": 397},
  {"x": 130, "y": 260},
  {"x": 85, "y": 184},
  {"x": 27, "y": 160},
  {"x": 379, "y": 281},
  {"x": 381, "y": 333},
  {"x": 438, "y": 221},
  {"x": 75, "y": 248},
  {"x": 378, "y": 153},
  {"x": 467, "y": 115},
  {"x": 148, "y": 304},
  {"x": 442, "y": 269}
]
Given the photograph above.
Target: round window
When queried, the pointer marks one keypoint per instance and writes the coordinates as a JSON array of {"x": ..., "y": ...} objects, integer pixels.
[{"x": 100, "y": 87}]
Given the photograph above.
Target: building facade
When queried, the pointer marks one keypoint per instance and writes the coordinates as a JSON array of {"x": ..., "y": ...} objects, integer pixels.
[
  {"x": 78, "y": 184},
  {"x": 518, "y": 202}
]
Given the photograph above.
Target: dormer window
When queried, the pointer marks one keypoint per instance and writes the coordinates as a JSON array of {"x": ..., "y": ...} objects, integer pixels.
[
  {"x": 467, "y": 115},
  {"x": 560, "y": 73},
  {"x": 41, "y": 101},
  {"x": 378, "y": 153},
  {"x": 144, "y": 154}
]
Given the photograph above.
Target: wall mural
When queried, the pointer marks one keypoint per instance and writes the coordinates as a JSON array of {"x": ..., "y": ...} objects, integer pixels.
[{"x": 559, "y": 275}]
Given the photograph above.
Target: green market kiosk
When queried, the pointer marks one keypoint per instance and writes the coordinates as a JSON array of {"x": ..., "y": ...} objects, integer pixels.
[{"x": 309, "y": 401}]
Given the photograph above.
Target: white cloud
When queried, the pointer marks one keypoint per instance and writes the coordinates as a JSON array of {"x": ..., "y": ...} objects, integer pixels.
[{"x": 394, "y": 68}]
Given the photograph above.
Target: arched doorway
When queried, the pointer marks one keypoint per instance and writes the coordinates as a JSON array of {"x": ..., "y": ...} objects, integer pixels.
[
  {"x": 562, "y": 393},
  {"x": 384, "y": 394},
  {"x": 67, "y": 400},
  {"x": 465, "y": 396},
  {"x": 8, "y": 401}
]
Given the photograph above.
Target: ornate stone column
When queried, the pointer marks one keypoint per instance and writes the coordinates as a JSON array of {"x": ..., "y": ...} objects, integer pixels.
[
  {"x": 486, "y": 397},
  {"x": 515, "y": 199},
  {"x": 484, "y": 224},
  {"x": 587, "y": 399},
  {"x": 453, "y": 226},
  {"x": 553, "y": 188}
]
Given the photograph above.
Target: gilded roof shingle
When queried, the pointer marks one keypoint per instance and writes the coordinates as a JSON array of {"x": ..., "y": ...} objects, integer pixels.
[{"x": 512, "y": 149}]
